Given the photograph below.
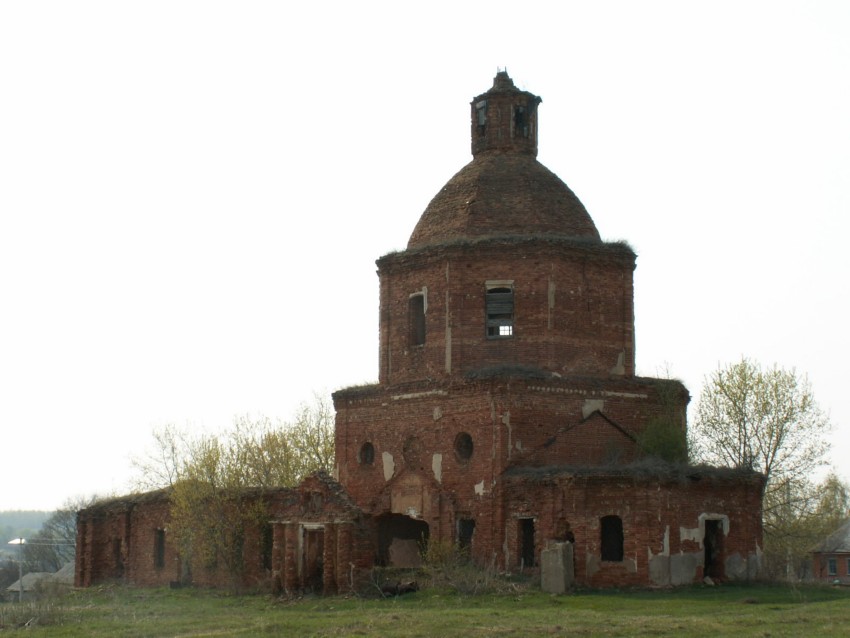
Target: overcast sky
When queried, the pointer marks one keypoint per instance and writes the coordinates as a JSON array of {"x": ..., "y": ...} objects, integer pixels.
[{"x": 193, "y": 196}]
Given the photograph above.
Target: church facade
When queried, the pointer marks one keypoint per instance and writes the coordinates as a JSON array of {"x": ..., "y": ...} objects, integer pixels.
[{"x": 507, "y": 413}]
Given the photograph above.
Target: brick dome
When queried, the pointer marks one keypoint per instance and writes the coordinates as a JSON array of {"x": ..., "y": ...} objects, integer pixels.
[{"x": 504, "y": 190}]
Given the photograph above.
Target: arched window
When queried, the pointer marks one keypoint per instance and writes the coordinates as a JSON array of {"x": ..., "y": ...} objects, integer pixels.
[
  {"x": 366, "y": 455},
  {"x": 611, "y": 535},
  {"x": 463, "y": 446}
]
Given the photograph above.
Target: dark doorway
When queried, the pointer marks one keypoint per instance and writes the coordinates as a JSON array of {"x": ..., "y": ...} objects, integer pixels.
[
  {"x": 314, "y": 552},
  {"x": 465, "y": 530},
  {"x": 611, "y": 538},
  {"x": 526, "y": 542},
  {"x": 713, "y": 544},
  {"x": 401, "y": 540}
]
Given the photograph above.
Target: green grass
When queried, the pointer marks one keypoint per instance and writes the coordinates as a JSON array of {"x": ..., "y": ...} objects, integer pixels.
[{"x": 728, "y": 610}]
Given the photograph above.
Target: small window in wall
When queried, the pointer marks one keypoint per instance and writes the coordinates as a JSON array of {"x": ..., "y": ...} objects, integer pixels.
[
  {"x": 481, "y": 117},
  {"x": 848, "y": 566},
  {"x": 611, "y": 531},
  {"x": 366, "y": 455},
  {"x": 499, "y": 300},
  {"x": 520, "y": 122},
  {"x": 416, "y": 312},
  {"x": 463, "y": 446},
  {"x": 159, "y": 548},
  {"x": 832, "y": 567}
]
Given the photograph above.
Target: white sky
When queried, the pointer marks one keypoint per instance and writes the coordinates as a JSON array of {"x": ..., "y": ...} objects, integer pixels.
[{"x": 193, "y": 195}]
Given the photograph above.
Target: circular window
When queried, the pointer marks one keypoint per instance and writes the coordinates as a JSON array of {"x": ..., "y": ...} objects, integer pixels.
[
  {"x": 366, "y": 455},
  {"x": 463, "y": 446}
]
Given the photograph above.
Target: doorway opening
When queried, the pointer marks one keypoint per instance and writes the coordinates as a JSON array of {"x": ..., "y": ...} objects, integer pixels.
[
  {"x": 401, "y": 540},
  {"x": 313, "y": 552},
  {"x": 713, "y": 544},
  {"x": 526, "y": 542}
]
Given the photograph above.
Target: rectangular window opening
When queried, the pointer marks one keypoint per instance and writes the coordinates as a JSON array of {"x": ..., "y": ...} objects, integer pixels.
[
  {"x": 416, "y": 312},
  {"x": 481, "y": 113},
  {"x": 832, "y": 567},
  {"x": 499, "y": 301},
  {"x": 159, "y": 548},
  {"x": 611, "y": 537},
  {"x": 520, "y": 122}
]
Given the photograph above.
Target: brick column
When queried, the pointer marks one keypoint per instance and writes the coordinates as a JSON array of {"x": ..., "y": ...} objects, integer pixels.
[
  {"x": 343, "y": 556},
  {"x": 329, "y": 560},
  {"x": 290, "y": 558},
  {"x": 278, "y": 549}
]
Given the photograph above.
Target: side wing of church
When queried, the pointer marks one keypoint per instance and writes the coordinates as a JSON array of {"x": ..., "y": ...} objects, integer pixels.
[{"x": 507, "y": 415}]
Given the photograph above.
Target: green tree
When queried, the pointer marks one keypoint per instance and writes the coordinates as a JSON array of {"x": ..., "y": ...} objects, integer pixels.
[{"x": 767, "y": 420}]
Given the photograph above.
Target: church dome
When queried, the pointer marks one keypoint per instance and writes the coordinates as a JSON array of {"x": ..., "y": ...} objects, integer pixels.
[{"x": 504, "y": 190}]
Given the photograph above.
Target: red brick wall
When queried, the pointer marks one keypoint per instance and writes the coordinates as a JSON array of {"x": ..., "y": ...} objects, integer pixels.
[
  {"x": 573, "y": 310},
  {"x": 661, "y": 519},
  {"x": 510, "y": 421}
]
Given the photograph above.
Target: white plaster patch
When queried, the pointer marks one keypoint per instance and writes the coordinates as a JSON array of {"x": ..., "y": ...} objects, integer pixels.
[
  {"x": 620, "y": 369},
  {"x": 389, "y": 465},
  {"x": 590, "y": 406},
  {"x": 437, "y": 467},
  {"x": 438, "y": 413},
  {"x": 479, "y": 488},
  {"x": 519, "y": 445}
]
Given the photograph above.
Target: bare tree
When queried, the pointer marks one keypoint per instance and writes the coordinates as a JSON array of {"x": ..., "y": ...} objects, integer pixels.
[{"x": 55, "y": 543}]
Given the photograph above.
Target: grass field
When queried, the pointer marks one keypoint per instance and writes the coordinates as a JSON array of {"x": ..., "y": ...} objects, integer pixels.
[{"x": 728, "y": 610}]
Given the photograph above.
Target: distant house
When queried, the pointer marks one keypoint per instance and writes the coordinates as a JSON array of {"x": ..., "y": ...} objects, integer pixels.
[
  {"x": 31, "y": 584},
  {"x": 832, "y": 557},
  {"x": 35, "y": 583}
]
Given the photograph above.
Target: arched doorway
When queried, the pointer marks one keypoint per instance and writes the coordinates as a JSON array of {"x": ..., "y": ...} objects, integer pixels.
[{"x": 401, "y": 540}]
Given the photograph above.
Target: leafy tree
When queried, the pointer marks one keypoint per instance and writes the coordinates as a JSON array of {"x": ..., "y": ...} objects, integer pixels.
[
  {"x": 215, "y": 480},
  {"x": 767, "y": 420},
  {"x": 664, "y": 435}
]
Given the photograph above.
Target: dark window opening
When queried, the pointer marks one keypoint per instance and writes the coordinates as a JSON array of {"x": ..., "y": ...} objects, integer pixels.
[
  {"x": 500, "y": 312},
  {"x": 520, "y": 122},
  {"x": 465, "y": 530},
  {"x": 366, "y": 456},
  {"x": 117, "y": 558},
  {"x": 463, "y": 446},
  {"x": 611, "y": 532},
  {"x": 481, "y": 116},
  {"x": 832, "y": 567},
  {"x": 526, "y": 540},
  {"x": 713, "y": 546},
  {"x": 416, "y": 312},
  {"x": 159, "y": 548},
  {"x": 268, "y": 544}
]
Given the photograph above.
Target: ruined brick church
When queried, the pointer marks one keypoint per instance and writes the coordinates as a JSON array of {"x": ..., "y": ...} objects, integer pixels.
[{"x": 507, "y": 414}]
